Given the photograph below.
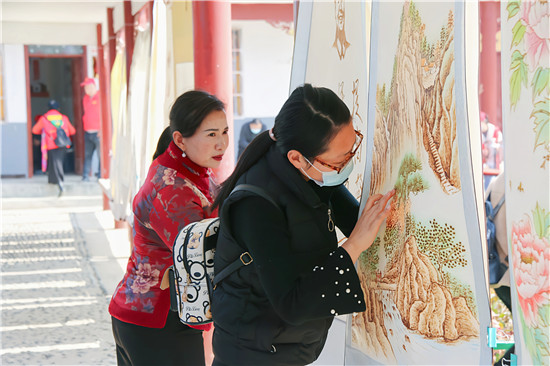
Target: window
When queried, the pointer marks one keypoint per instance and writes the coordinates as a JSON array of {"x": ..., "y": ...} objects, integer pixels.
[{"x": 237, "y": 73}]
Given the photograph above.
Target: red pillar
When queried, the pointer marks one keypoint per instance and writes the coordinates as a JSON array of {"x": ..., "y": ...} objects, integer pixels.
[
  {"x": 213, "y": 65},
  {"x": 489, "y": 73},
  {"x": 112, "y": 36},
  {"x": 128, "y": 36}
]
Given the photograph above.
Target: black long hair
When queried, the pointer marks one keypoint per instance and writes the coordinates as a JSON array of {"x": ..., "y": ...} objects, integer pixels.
[
  {"x": 190, "y": 109},
  {"x": 307, "y": 122},
  {"x": 186, "y": 115},
  {"x": 163, "y": 142}
]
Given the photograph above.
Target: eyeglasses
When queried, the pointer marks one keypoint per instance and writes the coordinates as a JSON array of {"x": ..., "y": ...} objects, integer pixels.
[{"x": 342, "y": 165}]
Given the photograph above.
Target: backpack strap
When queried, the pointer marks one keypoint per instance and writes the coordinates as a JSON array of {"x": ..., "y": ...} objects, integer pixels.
[
  {"x": 494, "y": 210},
  {"x": 497, "y": 207},
  {"x": 245, "y": 258}
]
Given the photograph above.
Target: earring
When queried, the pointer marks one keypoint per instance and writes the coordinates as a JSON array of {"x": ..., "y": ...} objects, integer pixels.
[{"x": 183, "y": 154}]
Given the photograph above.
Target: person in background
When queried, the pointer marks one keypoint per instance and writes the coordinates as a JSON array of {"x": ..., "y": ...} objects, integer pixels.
[
  {"x": 249, "y": 131},
  {"x": 496, "y": 190},
  {"x": 491, "y": 138},
  {"x": 278, "y": 309},
  {"x": 91, "y": 124},
  {"x": 47, "y": 127},
  {"x": 178, "y": 190}
]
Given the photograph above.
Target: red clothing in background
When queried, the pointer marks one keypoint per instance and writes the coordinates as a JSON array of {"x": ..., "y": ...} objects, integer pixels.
[
  {"x": 44, "y": 122},
  {"x": 90, "y": 119},
  {"x": 176, "y": 192}
]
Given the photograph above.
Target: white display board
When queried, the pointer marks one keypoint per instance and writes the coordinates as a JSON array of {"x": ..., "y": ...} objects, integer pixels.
[
  {"x": 525, "y": 59},
  {"x": 331, "y": 52},
  {"x": 424, "y": 277}
]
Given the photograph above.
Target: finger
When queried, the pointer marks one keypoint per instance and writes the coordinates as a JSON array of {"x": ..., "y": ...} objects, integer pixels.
[
  {"x": 384, "y": 200},
  {"x": 372, "y": 200},
  {"x": 383, "y": 215}
]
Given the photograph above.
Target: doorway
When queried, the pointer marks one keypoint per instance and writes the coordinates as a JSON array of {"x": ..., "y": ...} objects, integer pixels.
[{"x": 56, "y": 78}]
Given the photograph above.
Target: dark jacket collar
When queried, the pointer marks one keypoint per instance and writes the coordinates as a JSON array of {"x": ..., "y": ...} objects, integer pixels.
[
  {"x": 292, "y": 178},
  {"x": 200, "y": 176}
]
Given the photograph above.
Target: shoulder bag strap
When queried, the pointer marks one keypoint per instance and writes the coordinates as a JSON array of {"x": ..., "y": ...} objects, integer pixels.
[{"x": 245, "y": 258}]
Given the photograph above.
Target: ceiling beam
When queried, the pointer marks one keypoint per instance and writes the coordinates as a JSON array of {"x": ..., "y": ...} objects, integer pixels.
[{"x": 48, "y": 33}]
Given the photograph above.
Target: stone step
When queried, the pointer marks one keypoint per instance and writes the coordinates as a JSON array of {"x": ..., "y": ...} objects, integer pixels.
[{"x": 38, "y": 186}]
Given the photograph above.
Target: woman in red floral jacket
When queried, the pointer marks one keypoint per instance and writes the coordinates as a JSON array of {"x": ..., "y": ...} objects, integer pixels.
[{"x": 177, "y": 191}]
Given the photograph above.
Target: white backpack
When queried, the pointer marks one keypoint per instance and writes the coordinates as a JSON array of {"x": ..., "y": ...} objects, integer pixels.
[
  {"x": 193, "y": 270},
  {"x": 192, "y": 279}
]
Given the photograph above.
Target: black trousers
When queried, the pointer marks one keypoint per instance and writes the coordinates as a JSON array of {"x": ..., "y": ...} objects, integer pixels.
[
  {"x": 91, "y": 144},
  {"x": 55, "y": 165},
  {"x": 175, "y": 344}
]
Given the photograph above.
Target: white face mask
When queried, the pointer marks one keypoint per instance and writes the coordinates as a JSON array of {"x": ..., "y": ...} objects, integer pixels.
[
  {"x": 255, "y": 131},
  {"x": 332, "y": 178}
]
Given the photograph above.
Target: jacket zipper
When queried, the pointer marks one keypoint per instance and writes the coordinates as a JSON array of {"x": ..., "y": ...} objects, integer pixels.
[{"x": 330, "y": 222}]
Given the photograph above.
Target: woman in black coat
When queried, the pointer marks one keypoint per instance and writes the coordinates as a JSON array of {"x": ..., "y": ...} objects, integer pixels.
[{"x": 277, "y": 310}]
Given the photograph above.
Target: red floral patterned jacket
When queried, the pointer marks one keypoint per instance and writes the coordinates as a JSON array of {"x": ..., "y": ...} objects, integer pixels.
[{"x": 176, "y": 192}]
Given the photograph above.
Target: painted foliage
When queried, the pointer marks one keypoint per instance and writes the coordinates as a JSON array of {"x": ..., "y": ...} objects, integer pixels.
[
  {"x": 526, "y": 110},
  {"x": 421, "y": 273},
  {"x": 337, "y": 37}
]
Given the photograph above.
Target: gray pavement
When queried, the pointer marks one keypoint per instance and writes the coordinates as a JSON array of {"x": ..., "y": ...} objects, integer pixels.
[{"x": 60, "y": 260}]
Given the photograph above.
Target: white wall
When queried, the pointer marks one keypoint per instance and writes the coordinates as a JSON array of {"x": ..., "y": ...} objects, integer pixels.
[
  {"x": 13, "y": 133},
  {"x": 49, "y": 33},
  {"x": 15, "y": 94},
  {"x": 266, "y": 54}
]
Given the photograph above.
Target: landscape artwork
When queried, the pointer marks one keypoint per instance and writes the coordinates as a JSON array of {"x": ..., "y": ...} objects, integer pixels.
[
  {"x": 335, "y": 33},
  {"x": 423, "y": 277},
  {"x": 525, "y": 69}
]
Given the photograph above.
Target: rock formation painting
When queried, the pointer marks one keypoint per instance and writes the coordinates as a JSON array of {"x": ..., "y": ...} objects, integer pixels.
[
  {"x": 526, "y": 121},
  {"x": 417, "y": 107},
  {"x": 418, "y": 275}
]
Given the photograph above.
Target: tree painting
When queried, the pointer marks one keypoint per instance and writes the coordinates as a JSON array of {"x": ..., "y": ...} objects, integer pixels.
[
  {"x": 409, "y": 179},
  {"x": 439, "y": 243}
]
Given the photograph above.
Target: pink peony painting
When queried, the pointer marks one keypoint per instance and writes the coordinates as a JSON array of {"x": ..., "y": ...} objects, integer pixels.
[
  {"x": 531, "y": 258},
  {"x": 535, "y": 17}
]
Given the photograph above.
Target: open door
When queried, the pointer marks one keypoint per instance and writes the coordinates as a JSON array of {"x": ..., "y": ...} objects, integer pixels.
[{"x": 55, "y": 77}]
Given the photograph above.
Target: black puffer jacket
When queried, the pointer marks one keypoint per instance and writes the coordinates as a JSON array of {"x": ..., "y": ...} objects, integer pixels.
[{"x": 277, "y": 311}]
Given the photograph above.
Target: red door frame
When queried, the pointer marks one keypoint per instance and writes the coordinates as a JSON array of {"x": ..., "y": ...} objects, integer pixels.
[{"x": 77, "y": 106}]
